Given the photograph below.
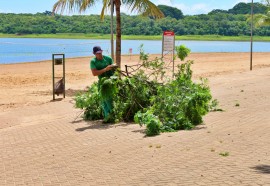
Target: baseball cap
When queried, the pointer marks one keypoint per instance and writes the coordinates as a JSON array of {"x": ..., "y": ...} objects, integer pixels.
[{"x": 97, "y": 50}]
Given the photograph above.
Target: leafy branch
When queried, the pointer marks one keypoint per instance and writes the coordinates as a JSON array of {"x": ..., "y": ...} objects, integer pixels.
[{"x": 163, "y": 105}]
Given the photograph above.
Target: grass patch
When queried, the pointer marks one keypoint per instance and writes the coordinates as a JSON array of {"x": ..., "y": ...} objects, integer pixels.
[
  {"x": 136, "y": 37},
  {"x": 224, "y": 154}
]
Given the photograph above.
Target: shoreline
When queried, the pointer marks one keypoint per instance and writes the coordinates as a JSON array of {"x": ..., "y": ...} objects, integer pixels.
[{"x": 124, "y": 55}]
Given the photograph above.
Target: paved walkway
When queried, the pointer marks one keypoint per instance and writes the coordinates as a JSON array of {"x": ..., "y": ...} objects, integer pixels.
[{"x": 44, "y": 146}]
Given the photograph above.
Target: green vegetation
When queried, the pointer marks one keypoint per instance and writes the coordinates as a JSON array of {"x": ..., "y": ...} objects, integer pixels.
[
  {"x": 171, "y": 12},
  {"x": 237, "y": 105},
  {"x": 137, "y": 37},
  {"x": 217, "y": 25},
  {"x": 225, "y": 24},
  {"x": 262, "y": 19},
  {"x": 150, "y": 98},
  {"x": 243, "y": 8},
  {"x": 182, "y": 52},
  {"x": 215, "y": 107},
  {"x": 224, "y": 154}
]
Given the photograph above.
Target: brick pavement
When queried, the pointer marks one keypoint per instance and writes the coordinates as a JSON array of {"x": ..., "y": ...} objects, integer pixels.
[{"x": 42, "y": 145}]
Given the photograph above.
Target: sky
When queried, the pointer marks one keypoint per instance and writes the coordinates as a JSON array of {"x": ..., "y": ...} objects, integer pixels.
[{"x": 188, "y": 7}]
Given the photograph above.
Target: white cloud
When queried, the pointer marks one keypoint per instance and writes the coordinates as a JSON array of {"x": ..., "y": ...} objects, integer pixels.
[
  {"x": 5, "y": 11},
  {"x": 246, "y": 1},
  {"x": 241, "y": 1},
  {"x": 199, "y": 8},
  {"x": 164, "y": 2}
]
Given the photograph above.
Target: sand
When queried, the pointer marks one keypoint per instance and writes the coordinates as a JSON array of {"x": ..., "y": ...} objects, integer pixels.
[
  {"x": 44, "y": 142},
  {"x": 26, "y": 84}
]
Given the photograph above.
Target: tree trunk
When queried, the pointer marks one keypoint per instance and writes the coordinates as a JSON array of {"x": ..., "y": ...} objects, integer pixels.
[{"x": 118, "y": 32}]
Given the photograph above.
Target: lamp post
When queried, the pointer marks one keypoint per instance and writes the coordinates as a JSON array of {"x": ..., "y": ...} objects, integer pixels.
[
  {"x": 251, "y": 36},
  {"x": 112, "y": 43}
]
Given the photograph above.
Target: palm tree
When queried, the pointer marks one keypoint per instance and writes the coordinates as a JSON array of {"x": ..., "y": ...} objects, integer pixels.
[{"x": 144, "y": 7}]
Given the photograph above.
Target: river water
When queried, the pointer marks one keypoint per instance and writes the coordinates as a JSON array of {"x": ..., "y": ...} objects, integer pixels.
[{"x": 17, "y": 50}]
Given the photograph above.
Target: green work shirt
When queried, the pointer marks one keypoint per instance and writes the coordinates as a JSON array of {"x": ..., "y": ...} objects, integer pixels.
[{"x": 101, "y": 64}]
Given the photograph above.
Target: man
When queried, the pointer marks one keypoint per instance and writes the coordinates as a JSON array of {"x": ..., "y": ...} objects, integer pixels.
[{"x": 102, "y": 66}]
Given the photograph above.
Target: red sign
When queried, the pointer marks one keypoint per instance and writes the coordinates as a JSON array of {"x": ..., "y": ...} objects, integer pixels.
[{"x": 168, "y": 33}]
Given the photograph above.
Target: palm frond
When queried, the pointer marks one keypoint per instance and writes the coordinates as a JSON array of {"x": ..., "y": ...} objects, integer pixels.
[
  {"x": 263, "y": 20},
  {"x": 86, "y": 4},
  {"x": 72, "y": 5},
  {"x": 260, "y": 19},
  {"x": 105, "y": 8},
  {"x": 144, "y": 7},
  {"x": 267, "y": 2}
]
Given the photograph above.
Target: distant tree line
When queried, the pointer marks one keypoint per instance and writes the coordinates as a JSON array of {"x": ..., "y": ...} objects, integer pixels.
[
  {"x": 243, "y": 8},
  {"x": 217, "y": 22}
]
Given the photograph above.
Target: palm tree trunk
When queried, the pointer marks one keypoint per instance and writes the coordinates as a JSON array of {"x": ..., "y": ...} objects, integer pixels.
[{"x": 118, "y": 32}]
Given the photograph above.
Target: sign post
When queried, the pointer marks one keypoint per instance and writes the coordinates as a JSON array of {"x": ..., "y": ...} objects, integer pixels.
[
  {"x": 130, "y": 52},
  {"x": 251, "y": 35},
  {"x": 168, "y": 44}
]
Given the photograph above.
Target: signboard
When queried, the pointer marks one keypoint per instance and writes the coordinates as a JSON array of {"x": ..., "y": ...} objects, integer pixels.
[{"x": 168, "y": 41}]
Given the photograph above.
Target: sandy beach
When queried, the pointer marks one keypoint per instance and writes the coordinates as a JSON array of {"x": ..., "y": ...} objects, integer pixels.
[
  {"x": 25, "y": 84},
  {"x": 44, "y": 142}
]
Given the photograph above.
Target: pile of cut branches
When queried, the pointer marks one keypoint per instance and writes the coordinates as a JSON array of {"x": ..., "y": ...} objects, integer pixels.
[{"x": 162, "y": 104}]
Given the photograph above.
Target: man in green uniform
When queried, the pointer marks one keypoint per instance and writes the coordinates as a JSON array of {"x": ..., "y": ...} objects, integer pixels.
[{"x": 102, "y": 66}]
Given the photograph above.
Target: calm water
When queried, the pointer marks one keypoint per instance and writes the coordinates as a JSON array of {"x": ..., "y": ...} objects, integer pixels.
[{"x": 16, "y": 50}]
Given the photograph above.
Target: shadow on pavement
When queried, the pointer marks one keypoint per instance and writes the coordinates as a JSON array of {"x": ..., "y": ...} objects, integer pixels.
[
  {"x": 98, "y": 124},
  {"x": 56, "y": 99},
  {"x": 142, "y": 131},
  {"x": 264, "y": 169},
  {"x": 95, "y": 125},
  {"x": 199, "y": 127}
]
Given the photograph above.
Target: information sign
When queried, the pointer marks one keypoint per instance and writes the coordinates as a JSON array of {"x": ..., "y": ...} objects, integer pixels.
[{"x": 168, "y": 41}]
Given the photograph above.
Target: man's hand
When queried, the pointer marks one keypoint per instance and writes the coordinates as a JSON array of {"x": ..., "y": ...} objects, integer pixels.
[{"x": 110, "y": 67}]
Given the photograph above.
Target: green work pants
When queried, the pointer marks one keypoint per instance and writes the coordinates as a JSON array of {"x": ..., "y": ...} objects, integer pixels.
[{"x": 107, "y": 106}]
